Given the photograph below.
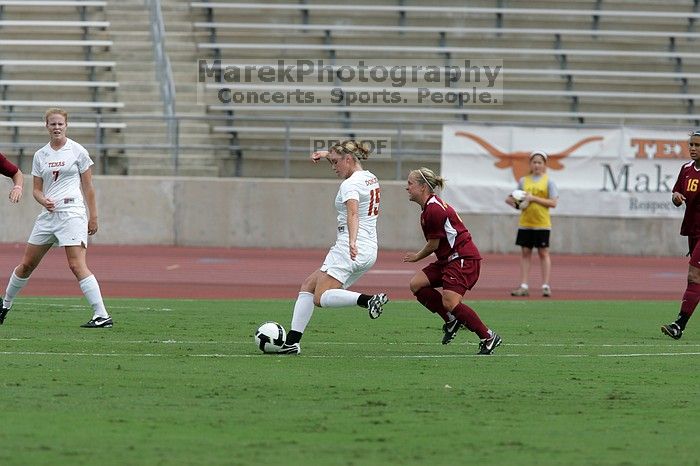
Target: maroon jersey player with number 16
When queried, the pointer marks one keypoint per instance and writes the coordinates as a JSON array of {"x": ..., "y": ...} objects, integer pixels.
[{"x": 686, "y": 191}]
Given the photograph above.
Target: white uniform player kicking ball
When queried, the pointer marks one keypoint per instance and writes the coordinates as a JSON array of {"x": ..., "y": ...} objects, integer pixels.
[
  {"x": 355, "y": 249},
  {"x": 63, "y": 186}
]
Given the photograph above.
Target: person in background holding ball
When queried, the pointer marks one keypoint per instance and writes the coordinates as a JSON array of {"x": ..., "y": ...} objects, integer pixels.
[
  {"x": 355, "y": 248},
  {"x": 63, "y": 186},
  {"x": 458, "y": 262},
  {"x": 685, "y": 191},
  {"x": 535, "y": 222},
  {"x": 9, "y": 170}
]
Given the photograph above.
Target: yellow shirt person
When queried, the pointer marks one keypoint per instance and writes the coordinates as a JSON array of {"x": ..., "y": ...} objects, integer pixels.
[{"x": 535, "y": 222}]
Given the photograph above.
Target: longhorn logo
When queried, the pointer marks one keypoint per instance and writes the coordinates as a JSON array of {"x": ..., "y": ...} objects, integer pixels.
[{"x": 520, "y": 161}]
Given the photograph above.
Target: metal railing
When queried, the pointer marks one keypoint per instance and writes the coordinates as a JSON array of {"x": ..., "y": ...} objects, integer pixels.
[
  {"x": 164, "y": 72},
  {"x": 284, "y": 147}
]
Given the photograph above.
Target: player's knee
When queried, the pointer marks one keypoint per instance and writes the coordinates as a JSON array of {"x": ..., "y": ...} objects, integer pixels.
[
  {"x": 418, "y": 282},
  {"x": 693, "y": 274},
  {"x": 308, "y": 285},
  {"x": 27, "y": 266},
  {"x": 25, "y": 269},
  {"x": 694, "y": 277},
  {"x": 415, "y": 287},
  {"x": 449, "y": 303},
  {"x": 78, "y": 268}
]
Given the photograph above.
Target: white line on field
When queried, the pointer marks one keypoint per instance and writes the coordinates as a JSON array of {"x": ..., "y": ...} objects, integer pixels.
[
  {"x": 351, "y": 343},
  {"x": 638, "y": 355},
  {"x": 86, "y": 305},
  {"x": 50, "y": 353},
  {"x": 387, "y": 356}
]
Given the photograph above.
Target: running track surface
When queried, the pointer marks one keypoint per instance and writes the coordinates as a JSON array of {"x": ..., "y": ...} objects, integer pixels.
[{"x": 231, "y": 273}]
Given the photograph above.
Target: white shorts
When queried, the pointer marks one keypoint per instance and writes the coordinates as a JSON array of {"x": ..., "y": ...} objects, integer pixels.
[
  {"x": 338, "y": 264},
  {"x": 60, "y": 228}
]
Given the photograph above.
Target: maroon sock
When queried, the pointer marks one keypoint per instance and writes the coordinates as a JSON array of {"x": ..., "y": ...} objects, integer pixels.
[
  {"x": 691, "y": 297},
  {"x": 432, "y": 299},
  {"x": 471, "y": 320}
]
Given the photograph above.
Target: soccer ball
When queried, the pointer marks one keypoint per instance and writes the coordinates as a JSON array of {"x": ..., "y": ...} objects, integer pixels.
[
  {"x": 269, "y": 337},
  {"x": 519, "y": 195}
]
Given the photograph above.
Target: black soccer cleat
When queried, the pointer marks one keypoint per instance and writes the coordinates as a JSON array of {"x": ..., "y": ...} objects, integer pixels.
[
  {"x": 487, "y": 345},
  {"x": 294, "y": 348},
  {"x": 98, "y": 322},
  {"x": 3, "y": 313},
  {"x": 450, "y": 331},
  {"x": 376, "y": 305},
  {"x": 673, "y": 330}
]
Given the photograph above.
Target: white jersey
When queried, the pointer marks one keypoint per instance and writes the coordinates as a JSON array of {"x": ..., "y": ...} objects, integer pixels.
[
  {"x": 362, "y": 186},
  {"x": 60, "y": 170}
]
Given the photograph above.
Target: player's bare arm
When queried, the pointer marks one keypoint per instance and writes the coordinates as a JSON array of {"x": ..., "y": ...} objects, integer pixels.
[
  {"x": 38, "y": 192},
  {"x": 352, "y": 207},
  {"x": 16, "y": 191},
  {"x": 89, "y": 193},
  {"x": 318, "y": 155},
  {"x": 430, "y": 247},
  {"x": 546, "y": 202}
]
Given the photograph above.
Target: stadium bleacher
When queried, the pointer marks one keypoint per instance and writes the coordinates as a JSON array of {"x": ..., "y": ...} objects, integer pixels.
[
  {"x": 591, "y": 62},
  {"x": 583, "y": 62},
  {"x": 56, "y": 53}
]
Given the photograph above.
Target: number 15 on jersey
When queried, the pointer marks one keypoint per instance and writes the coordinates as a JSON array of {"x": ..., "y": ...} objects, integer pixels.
[{"x": 373, "y": 202}]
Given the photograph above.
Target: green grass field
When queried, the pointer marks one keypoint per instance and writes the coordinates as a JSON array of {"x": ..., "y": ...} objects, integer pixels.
[{"x": 181, "y": 382}]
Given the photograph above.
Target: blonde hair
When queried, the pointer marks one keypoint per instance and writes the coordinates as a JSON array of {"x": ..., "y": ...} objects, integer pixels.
[
  {"x": 427, "y": 176},
  {"x": 351, "y": 147},
  {"x": 54, "y": 111}
]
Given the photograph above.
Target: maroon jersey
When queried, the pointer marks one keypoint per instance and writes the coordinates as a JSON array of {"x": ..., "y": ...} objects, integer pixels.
[
  {"x": 440, "y": 221},
  {"x": 687, "y": 184},
  {"x": 7, "y": 168}
]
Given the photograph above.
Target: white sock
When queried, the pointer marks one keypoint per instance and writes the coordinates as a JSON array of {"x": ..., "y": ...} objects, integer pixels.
[
  {"x": 91, "y": 290},
  {"x": 339, "y": 298},
  {"x": 14, "y": 285},
  {"x": 450, "y": 316},
  {"x": 303, "y": 310},
  {"x": 524, "y": 285}
]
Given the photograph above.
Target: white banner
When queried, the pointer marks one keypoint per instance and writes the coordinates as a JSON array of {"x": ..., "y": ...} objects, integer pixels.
[{"x": 624, "y": 172}]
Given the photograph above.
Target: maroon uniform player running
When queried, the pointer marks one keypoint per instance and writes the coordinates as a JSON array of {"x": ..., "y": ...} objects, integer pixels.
[
  {"x": 8, "y": 169},
  {"x": 686, "y": 191},
  {"x": 458, "y": 261}
]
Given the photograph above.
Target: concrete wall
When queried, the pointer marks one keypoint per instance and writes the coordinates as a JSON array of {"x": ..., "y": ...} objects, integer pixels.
[{"x": 300, "y": 214}]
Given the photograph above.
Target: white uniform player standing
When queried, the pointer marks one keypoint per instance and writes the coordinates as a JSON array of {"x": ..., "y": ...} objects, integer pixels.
[
  {"x": 355, "y": 249},
  {"x": 62, "y": 185}
]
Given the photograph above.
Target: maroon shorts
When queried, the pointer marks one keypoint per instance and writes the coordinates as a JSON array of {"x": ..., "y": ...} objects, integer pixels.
[{"x": 458, "y": 275}]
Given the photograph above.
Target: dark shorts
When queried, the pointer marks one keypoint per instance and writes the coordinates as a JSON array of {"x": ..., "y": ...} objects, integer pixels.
[
  {"x": 532, "y": 238},
  {"x": 458, "y": 275}
]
